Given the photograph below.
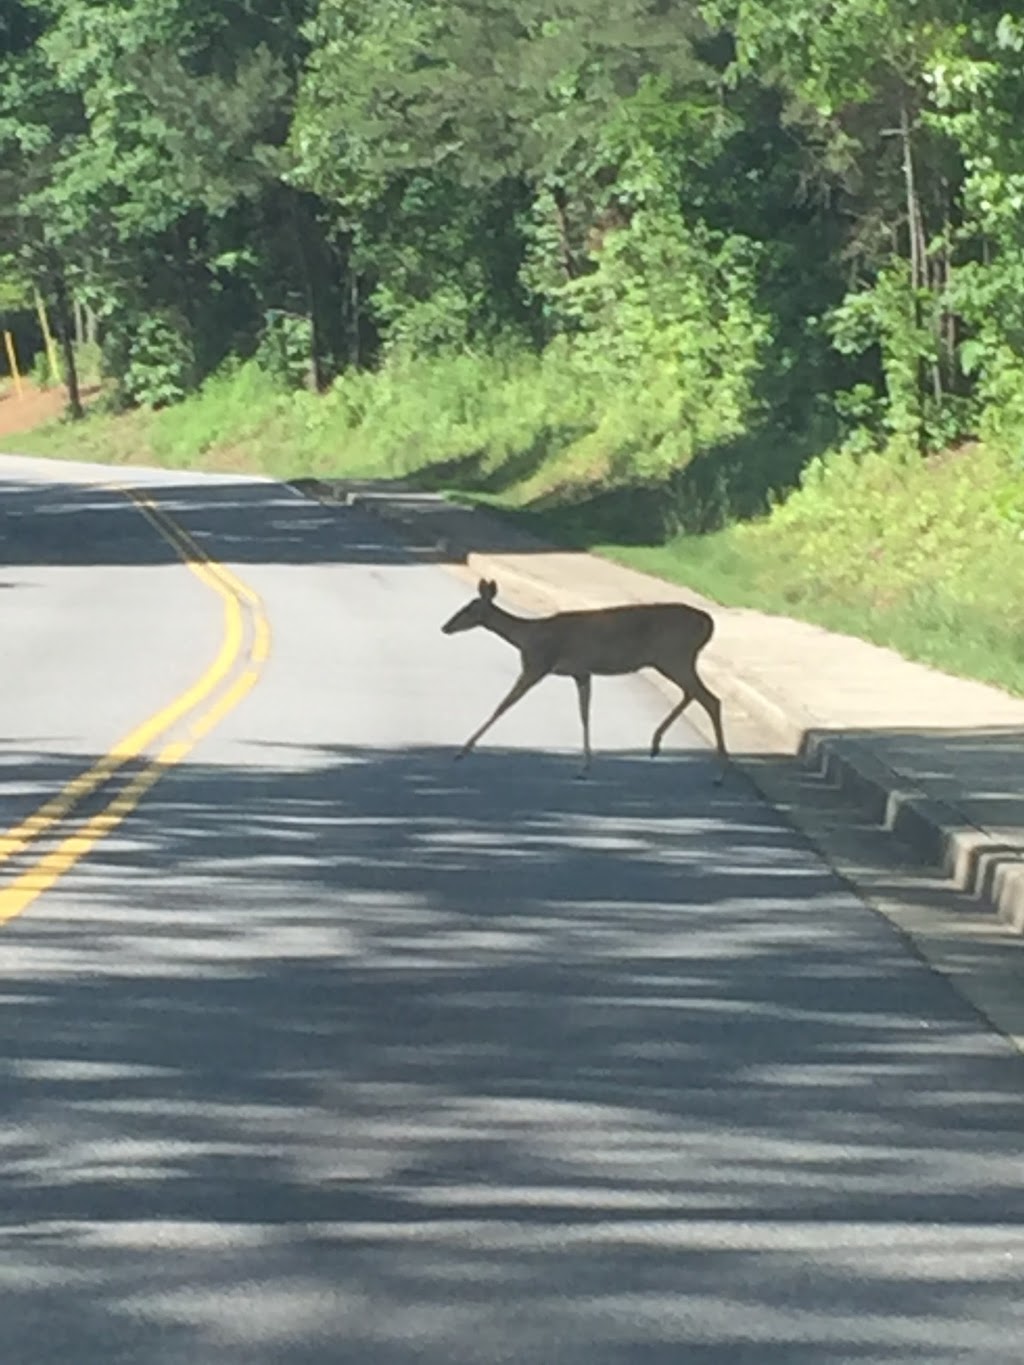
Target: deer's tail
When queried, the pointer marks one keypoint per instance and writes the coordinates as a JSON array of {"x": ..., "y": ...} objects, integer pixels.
[{"x": 705, "y": 628}]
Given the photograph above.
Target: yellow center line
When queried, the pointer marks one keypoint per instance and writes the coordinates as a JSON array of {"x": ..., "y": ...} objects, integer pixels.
[
  {"x": 31, "y": 883},
  {"x": 138, "y": 740}
]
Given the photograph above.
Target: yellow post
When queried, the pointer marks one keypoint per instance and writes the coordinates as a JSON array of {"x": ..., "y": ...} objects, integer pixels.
[
  {"x": 12, "y": 357},
  {"x": 51, "y": 348}
]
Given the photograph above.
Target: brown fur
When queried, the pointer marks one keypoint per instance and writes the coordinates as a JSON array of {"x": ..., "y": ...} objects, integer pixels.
[{"x": 610, "y": 640}]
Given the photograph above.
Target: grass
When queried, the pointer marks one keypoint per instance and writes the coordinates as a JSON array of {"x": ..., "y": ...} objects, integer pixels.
[
  {"x": 925, "y": 556},
  {"x": 974, "y": 636}
]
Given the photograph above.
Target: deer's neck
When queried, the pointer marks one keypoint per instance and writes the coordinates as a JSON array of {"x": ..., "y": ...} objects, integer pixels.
[{"x": 514, "y": 629}]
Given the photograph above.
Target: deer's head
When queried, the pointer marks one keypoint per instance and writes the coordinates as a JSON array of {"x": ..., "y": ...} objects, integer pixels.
[{"x": 474, "y": 613}]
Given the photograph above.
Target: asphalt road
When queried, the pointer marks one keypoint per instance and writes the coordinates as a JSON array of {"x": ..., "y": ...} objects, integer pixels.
[{"x": 332, "y": 1050}]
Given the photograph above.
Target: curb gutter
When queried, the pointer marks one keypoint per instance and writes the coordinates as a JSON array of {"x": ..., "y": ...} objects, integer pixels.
[{"x": 986, "y": 868}]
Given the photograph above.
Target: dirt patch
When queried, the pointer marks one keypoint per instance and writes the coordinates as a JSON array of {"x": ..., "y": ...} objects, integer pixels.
[{"x": 33, "y": 408}]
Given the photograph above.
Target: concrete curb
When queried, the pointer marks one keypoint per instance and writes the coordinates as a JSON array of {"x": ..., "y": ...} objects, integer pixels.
[{"x": 986, "y": 868}]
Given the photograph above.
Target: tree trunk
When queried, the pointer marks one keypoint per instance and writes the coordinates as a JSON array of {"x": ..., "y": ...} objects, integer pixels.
[
  {"x": 62, "y": 317},
  {"x": 316, "y": 375},
  {"x": 915, "y": 218},
  {"x": 948, "y": 320},
  {"x": 355, "y": 351},
  {"x": 918, "y": 256},
  {"x": 183, "y": 264},
  {"x": 562, "y": 222}
]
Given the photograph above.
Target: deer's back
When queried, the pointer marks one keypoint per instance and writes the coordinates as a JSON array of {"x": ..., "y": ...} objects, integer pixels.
[{"x": 623, "y": 639}]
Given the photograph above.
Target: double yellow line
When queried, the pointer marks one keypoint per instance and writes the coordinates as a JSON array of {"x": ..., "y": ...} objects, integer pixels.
[{"x": 246, "y": 641}]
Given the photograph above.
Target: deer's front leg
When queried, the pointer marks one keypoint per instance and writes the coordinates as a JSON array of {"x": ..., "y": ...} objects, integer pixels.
[{"x": 527, "y": 679}]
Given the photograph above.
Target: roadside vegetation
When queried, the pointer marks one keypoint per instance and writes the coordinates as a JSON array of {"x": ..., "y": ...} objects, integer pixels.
[{"x": 730, "y": 290}]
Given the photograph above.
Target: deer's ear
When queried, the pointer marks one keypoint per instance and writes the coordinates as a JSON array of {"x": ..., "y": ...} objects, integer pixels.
[{"x": 488, "y": 591}]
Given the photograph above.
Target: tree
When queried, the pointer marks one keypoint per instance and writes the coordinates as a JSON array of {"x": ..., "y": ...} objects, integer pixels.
[
  {"x": 855, "y": 78},
  {"x": 497, "y": 111}
]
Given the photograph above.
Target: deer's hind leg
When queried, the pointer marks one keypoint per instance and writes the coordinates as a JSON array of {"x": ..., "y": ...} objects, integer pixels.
[
  {"x": 582, "y": 681},
  {"x": 694, "y": 689}
]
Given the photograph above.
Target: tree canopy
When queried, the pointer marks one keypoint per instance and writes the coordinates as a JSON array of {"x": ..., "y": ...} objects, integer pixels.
[{"x": 798, "y": 209}]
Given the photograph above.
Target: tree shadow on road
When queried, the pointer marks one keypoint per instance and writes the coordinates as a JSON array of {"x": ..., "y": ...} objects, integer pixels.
[
  {"x": 240, "y": 522},
  {"x": 362, "y": 1055}
]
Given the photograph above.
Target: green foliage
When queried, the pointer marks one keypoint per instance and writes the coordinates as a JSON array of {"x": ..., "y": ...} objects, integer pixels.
[
  {"x": 894, "y": 317},
  {"x": 667, "y": 320},
  {"x": 422, "y": 176},
  {"x": 152, "y": 359},
  {"x": 15, "y": 289},
  {"x": 430, "y": 292},
  {"x": 425, "y": 126},
  {"x": 233, "y": 408},
  {"x": 285, "y": 348},
  {"x": 42, "y": 374},
  {"x": 133, "y": 132},
  {"x": 978, "y": 96},
  {"x": 935, "y": 548}
]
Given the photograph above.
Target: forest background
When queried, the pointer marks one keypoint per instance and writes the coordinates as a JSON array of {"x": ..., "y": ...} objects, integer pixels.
[{"x": 732, "y": 290}]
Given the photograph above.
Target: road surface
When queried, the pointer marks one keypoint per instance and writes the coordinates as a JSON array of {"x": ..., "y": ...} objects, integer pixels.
[{"x": 320, "y": 1048}]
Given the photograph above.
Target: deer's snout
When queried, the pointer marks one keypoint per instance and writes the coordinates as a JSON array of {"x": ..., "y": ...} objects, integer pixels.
[{"x": 464, "y": 619}]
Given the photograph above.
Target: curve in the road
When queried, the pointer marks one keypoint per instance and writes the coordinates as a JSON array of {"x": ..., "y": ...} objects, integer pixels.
[{"x": 246, "y": 637}]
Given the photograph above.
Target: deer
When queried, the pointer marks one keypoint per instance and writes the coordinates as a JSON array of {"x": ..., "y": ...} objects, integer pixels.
[{"x": 666, "y": 636}]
